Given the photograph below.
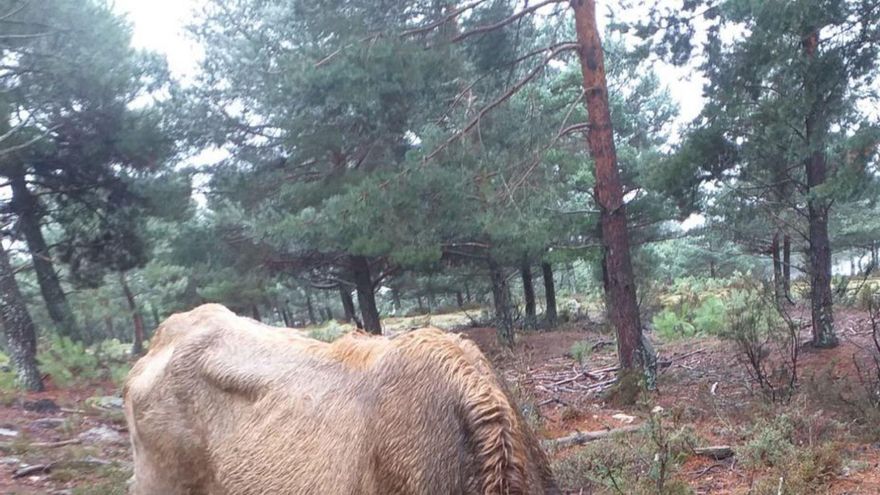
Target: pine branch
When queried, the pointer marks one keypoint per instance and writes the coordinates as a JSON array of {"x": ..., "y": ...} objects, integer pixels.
[
  {"x": 504, "y": 97},
  {"x": 443, "y": 20},
  {"x": 508, "y": 20},
  {"x": 34, "y": 140},
  {"x": 563, "y": 131}
]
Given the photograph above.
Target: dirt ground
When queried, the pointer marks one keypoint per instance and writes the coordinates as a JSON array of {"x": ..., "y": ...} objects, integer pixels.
[{"x": 74, "y": 441}]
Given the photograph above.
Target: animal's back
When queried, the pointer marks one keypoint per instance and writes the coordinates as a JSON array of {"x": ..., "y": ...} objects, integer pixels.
[
  {"x": 225, "y": 405},
  {"x": 218, "y": 398}
]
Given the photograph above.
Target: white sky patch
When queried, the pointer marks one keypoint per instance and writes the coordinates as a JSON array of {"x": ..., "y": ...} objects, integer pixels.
[
  {"x": 694, "y": 221},
  {"x": 160, "y": 26}
]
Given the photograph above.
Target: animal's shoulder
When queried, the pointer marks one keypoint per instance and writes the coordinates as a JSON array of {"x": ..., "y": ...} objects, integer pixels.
[{"x": 211, "y": 344}]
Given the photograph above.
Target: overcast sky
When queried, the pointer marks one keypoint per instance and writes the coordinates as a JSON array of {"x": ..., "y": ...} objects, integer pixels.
[{"x": 159, "y": 25}]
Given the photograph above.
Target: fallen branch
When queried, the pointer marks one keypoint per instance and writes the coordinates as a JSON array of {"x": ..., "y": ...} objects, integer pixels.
[
  {"x": 72, "y": 411},
  {"x": 601, "y": 343},
  {"x": 36, "y": 468},
  {"x": 580, "y": 438},
  {"x": 569, "y": 380},
  {"x": 550, "y": 401},
  {"x": 601, "y": 385},
  {"x": 686, "y": 355},
  {"x": 705, "y": 470},
  {"x": 716, "y": 452},
  {"x": 41, "y": 445}
]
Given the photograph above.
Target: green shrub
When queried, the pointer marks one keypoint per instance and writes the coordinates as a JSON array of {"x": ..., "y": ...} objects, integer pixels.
[
  {"x": 327, "y": 332},
  {"x": 693, "y": 307},
  {"x": 868, "y": 297},
  {"x": 766, "y": 340},
  {"x": 769, "y": 444},
  {"x": 671, "y": 325},
  {"x": 710, "y": 315},
  {"x": 67, "y": 362},
  {"x": 580, "y": 351},
  {"x": 70, "y": 363},
  {"x": 643, "y": 463},
  {"x": 810, "y": 469}
]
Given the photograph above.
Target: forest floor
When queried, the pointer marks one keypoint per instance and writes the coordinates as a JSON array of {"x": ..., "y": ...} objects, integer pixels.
[{"x": 73, "y": 441}]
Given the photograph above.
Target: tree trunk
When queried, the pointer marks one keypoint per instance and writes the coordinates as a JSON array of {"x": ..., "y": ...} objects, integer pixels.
[
  {"x": 360, "y": 270},
  {"x": 395, "y": 299},
  {"x": 310, "y": 309},
  {"x": 467, "y": 291},
  {"x": 459, "y": 298},
  {"x": 528, "y": 295},
  {"x": 21, "y": 335},
  {"x": 786, "y": 266},
  {"x": 549, "y": 294},
  {"x": 500, "y": 295},
  {"x": 432, "y": 299},
  {"x": 778, "y": 278},
  {"x": 818, "y": 207},
  {"x": 874, "y": 250},
  {"x": 255, "y": 313},
  {"x": 137, "y": 347},
  {"x": 156, "y": 320},
  {"x": 350, "y": 316},
  {"x": 285, "y": 316},
  {"x": 28, "y": 209},
  {"x": 623, "y": 308}
]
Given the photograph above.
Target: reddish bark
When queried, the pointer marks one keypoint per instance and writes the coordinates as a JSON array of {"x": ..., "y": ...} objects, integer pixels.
[{"x": 620, "y": 286}]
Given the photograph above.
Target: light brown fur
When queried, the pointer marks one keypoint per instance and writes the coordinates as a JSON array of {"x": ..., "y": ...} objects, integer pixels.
[{"x": 223, "y": 405}]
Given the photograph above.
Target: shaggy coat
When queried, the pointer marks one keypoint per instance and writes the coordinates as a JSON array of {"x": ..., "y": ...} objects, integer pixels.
[{"x": 223, "y": 405}]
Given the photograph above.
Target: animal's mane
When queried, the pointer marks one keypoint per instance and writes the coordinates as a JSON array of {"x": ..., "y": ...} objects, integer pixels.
[{"x": 489, "y": 414}]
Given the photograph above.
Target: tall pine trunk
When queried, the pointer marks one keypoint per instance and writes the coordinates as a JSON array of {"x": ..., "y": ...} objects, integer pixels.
[
  {"x": 363, "y": 281},
  {"x": 28, "y": 209},
  {"x": 285, "y": 316},
  {"x": 528, "y": 294},
  {"x": 501, "y": 297},
  {"x": 255, "y": 312},
  {"x": 137, "y": 319},
  {"x": 395, "y": 299},
  {"x": 786, "y": 266},
  {"x": 348, "y": 311},
  {"x": 310, "y": 308},
  {"x": 816, "y": 124},
  {"x": 620, "y": 295},
  {"x": 549, "y": 294},
  {"x": 778, "y": 278},
  {"x": 155, "y": 311},
  {"x": 21, "y": 336},
  {"x": 874, "y": 251}
]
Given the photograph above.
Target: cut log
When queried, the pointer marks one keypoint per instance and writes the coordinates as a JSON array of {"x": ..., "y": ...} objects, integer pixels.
[
  {"x": 716, "y": 452},
  {"x": 29, "y": 470},
  {"x": 41, "y": 445},
  {"x": 580, "y": 438}
]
